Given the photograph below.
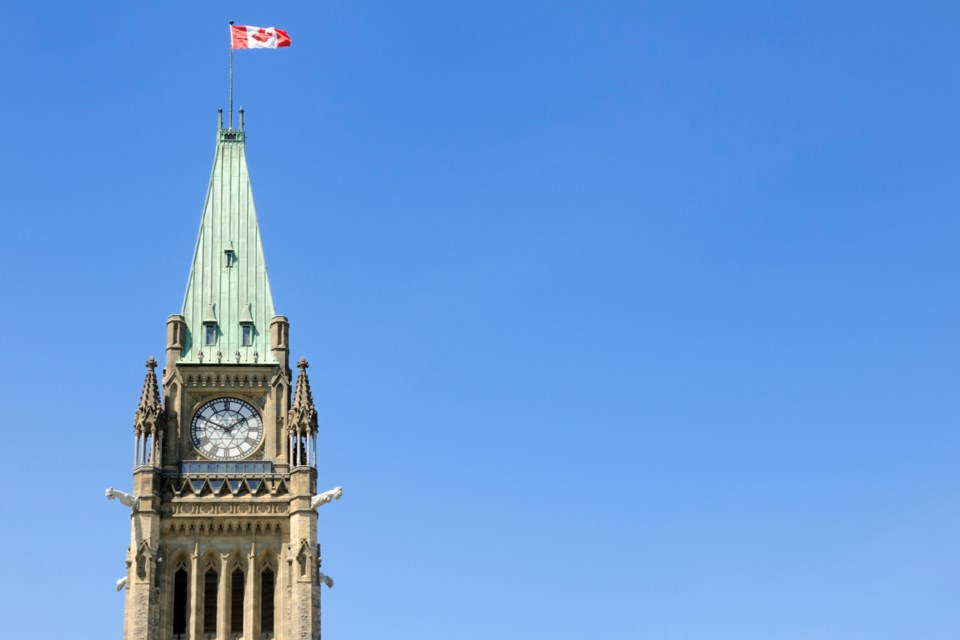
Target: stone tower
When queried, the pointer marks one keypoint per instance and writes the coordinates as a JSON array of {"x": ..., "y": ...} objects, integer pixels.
[{"x": 223, "y": 538}]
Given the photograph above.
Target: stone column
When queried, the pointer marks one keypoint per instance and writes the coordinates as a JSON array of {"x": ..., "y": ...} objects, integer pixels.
[
  {"x": 176, "y": 328},
  {"x": 304, "y": 616},
  {"x": 195, "y": 604},
  {"x": 279, "y": 337},
  {"x": 281, "y": 593},
  {"x": 223, "y": 600},
  {"x": 251, "y": 607},
  {"x": 142, "y": 611}
]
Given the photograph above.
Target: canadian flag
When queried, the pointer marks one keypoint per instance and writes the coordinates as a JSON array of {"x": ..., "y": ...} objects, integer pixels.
[{"x": 258, "y": 37}]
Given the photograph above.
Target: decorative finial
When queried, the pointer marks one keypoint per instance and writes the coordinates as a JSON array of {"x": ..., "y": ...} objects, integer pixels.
[
  {"x": 200, "y": 356},
  {"x": 237, "y": 356},
  {"x": 256, "y": 357},
  {"x": 219, "y": 356},
  {"x": 148, "y": 417},
  {"x": 302, "y": 416}
]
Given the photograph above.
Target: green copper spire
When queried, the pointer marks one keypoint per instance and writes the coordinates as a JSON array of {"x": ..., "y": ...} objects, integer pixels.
[{"x": 228, "y": 305}]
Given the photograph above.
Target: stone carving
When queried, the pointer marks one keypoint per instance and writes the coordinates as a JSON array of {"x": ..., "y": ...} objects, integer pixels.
[
  {"x": 143, "y": 554},
  {"x": 325, "y": 579},
  {"x": 122, "y": 583},
  {"x": 181, "y": 509},
  {"x": 149, "y": 414},
  {"x": 321, "y": 499},
  {"x": 302, "y": 559},
  {"x": 302, "y": 417},
  {"x": 125, "y": 499}
]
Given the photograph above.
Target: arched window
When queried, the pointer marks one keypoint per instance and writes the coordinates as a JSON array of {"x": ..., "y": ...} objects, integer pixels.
[
  {"x": 180, "y": 604},
  {"x": 210, "y": 602},
  {"x": 236, "y": 603},
  {"x": 266, "y": 602}
]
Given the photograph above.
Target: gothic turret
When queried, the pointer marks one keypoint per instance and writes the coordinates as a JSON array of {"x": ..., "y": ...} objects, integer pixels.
[
  {"x": 302, "y": 420},
  {"x": 147, "y": 421}
]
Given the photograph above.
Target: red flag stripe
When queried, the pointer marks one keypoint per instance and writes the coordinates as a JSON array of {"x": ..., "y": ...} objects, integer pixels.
[{"x": 238, "y": 37}]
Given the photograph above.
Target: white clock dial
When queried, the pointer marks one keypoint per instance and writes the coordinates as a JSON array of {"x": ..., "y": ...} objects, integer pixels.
[{"x": 226, "y": 429}]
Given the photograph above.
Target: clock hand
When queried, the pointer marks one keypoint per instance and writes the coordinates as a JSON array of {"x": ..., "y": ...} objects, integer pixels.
[{"x": 228, "y": 428}]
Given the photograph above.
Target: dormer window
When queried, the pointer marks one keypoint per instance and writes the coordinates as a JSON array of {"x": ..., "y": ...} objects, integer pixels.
[
  {"x": 230, "y": 254},
  {"x": 246, "y": 326},
  {"x": 210, "y": 326}
]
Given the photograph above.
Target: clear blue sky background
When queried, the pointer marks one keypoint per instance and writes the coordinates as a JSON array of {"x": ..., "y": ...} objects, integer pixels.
[{"x": 627, "y": 319}]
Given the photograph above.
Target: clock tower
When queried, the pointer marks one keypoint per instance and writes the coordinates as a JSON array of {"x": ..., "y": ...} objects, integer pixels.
[{"x": 223, "y": 536}]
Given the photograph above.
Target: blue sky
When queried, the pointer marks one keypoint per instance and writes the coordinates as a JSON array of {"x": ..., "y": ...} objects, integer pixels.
[{"x": 626, "y": 319}]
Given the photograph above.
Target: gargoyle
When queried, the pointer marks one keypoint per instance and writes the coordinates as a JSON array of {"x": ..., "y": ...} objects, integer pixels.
[
  {"x": 321, "y": 499},
  {"x": 125, "y": 499},
  {"x": 325, "y": 579}
]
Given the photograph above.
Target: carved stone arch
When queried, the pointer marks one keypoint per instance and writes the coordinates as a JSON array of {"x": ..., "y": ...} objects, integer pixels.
[
  {"x": 236, "y": 561},
  {"x": 268, "y": 559},
  {"x": 143, "y": 559},
  {"x": 303, "y": 560},
  {"x": 180, "y": 560},
  {"x": 208, "y": 561}
]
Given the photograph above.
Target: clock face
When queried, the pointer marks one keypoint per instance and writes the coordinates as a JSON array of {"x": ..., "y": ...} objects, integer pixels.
[{"x": 226, "y": 429}]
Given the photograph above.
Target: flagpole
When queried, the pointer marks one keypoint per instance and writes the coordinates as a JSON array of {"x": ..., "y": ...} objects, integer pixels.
[{"x": 231, "y": 75}]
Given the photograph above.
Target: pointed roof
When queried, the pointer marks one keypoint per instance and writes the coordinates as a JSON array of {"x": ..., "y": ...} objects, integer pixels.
[
  {"x": 302, "y": 415},
  {"x": 228, "y": 284},
  {"x": 149, "y": 411}
]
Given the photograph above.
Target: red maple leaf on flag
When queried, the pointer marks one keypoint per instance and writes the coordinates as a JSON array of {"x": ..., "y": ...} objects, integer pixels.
[{"x": 261, "y": 35}]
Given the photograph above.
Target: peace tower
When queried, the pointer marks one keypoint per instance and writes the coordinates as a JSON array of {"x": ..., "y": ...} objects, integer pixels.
[{"x": 223, "y": 536}]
